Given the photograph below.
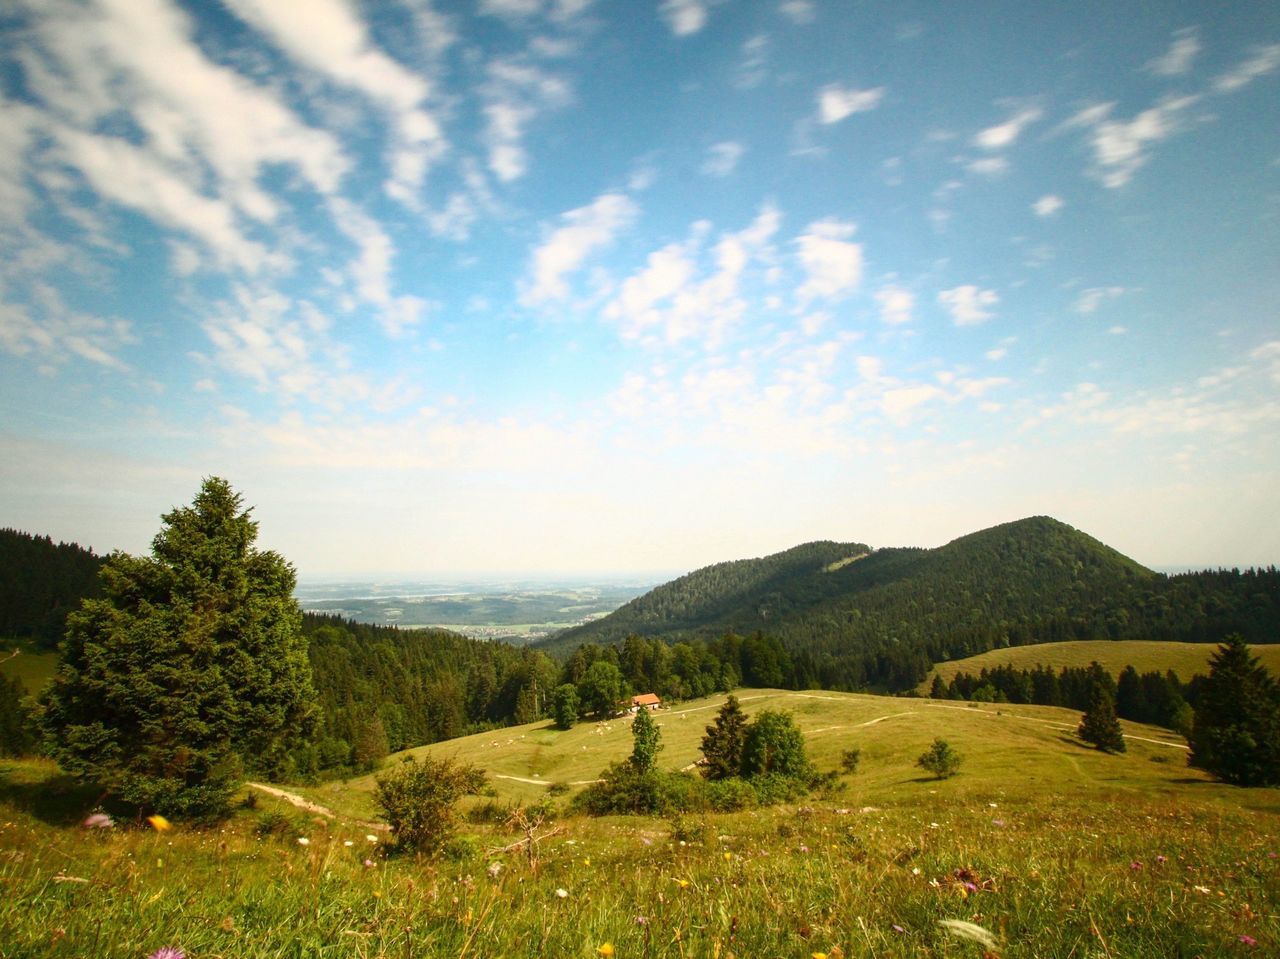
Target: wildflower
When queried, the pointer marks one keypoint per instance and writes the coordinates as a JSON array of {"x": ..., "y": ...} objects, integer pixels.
[
  {"x": 998, "y": 823},
  {"x": 682, "y": 883},
  {"x": 1203, "y": 890},
  {"x": 159, "y": 824},
  {"x": 348, "y": 843},
  {"x": 304, "y": 841},
  {"x": 1162, "y": 859},
  {"x": 1135, "y": 866},
  {"x": 562, "y": 893},
  {"x": 898, "y": 928},
  {"x": 368, "y": 864},
  {"x": 371, "y": 838},
  {"x": 970, "y": 931},
  {"x": 494, "y": 869},
  {"x": 168, "y": 952},
  {"x": 642, "y": 920},
  {"x": 606, "y": 950},
  {"x": 915, "y": 870},
  {"x": 818, "y": 955},
  {"x": 98, "y": 820},
  {"x": 1247, "y": 940},
  {"x": 728, "y": 857}
]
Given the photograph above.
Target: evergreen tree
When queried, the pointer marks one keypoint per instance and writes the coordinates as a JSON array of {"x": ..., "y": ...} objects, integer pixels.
[
  {"x": 940, "y": 759},
  {"x": 190, "y": 668},
  {"x": 16, "y": 738},
  {"x": 1236, "y": 731},
  {"x": 774, "y": 745},
  {"x": 565, "y": 706},
  {"x": 722, "y": 745},
  {"x": 939, "y": 689},
  {"x": 1099, "y": 724},
  {"x": 647, "y": 741}
]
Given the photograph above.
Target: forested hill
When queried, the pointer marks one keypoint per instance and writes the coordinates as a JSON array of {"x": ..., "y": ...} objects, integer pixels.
[
  {"x": 770, "y": 586},
  {"x": 888, "y": 615},
  {"x": 40, "y": 582}
]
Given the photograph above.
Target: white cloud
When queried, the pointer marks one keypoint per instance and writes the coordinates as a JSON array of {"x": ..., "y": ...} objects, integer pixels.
[
  {"x": 998, "y": 353},
  {"x": 583, "y": 231},
  {"x": 328, "y": 37},
  {"x": 1047, "y": 205},
  {"x": 515, "y": 94},
  {"x": 752, "y": 69},
  {"x": 1262, "y": 61},
  {"x": 835, "y": 102},
  {"x": 685, "y": 17},
  {"x": 797, "y": 11},
  {"x": 48, "y": 331},
  {"x": 1003, "y": 135},
  {"x": 371, "y": 269},
  {"x": 1089, "y": 300},
  {"x": 968, "y": 305},
  {"x": 687, "y": 293},
  {"x": 896, "y": 304},
  {"x": 722, "y": 158},
  {"x": 989, "y": 166},
  {"x": 1121, "y": 149},
  {"x": 833, "y": 265},
  {"x": 1178, "y": 58}
]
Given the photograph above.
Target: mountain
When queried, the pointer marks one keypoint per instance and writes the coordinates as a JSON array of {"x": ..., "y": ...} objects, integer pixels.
[
  {"x": 851, "y": 616},
  {"x": 40, "y": 582}
]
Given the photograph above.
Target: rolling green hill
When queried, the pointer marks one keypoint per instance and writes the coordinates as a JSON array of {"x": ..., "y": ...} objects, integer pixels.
[
  {"x": 1185, "y": 659},
  {"x": 850, "y": 620}
]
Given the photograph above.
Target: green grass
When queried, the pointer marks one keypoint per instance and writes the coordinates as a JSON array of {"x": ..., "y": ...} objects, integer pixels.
[
  {"x": 1048, "y": 833},
  {"x": 35, "y": 669},
  {"x": 1186, "y": 659}
]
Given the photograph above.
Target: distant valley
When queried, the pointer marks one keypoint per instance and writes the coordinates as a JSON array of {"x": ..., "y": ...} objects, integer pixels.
[{"x": 517, "y": 611}]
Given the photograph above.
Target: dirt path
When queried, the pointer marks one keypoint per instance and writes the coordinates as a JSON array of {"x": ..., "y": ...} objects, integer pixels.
[
  {"x": 309, "y": 806},
  {"x": 542, "y": 782}
]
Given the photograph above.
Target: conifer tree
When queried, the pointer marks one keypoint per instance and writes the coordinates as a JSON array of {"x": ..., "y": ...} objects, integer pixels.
[
  {"x": 1099, "y": 724},
  {"x": 722, "y": 745},
  {"x": 191, "y": 667},
  {"x": 646, "y": 741},
  {"x": 1236, "y": 731}
]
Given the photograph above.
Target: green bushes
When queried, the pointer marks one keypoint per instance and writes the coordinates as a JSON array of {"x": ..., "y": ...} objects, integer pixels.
[{"x": 418, "y": 801}]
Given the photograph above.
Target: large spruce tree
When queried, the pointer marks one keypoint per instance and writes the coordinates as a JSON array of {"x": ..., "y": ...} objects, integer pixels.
[
  {"x": 1236, "y": 731},
  {"x": 722, "y": 745},
  {"x": 1099, "y": 724},
  {"x": 189, "y": 670}
]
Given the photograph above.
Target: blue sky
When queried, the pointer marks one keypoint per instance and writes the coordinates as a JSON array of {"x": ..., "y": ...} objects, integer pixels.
[{"x": 586, "y": 285}]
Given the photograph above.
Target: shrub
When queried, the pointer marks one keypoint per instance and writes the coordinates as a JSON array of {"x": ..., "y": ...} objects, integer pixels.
[
  {"x": 419, "y": 801},
  {"x": 730, "y": 795},
  {"x": 623, "y": 789},
  {"x": 940, "y": 759},
  {"x": 849, "y": 760}
]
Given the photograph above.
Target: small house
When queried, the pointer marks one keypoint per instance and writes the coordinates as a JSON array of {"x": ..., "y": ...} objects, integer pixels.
[{"x": 645, "y": 701}]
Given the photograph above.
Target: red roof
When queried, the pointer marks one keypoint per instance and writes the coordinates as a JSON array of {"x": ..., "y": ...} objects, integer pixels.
[{"x": 646, "y": 699}]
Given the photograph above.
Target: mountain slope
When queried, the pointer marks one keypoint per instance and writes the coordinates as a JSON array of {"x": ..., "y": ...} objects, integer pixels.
[
  {"x": 888, "y": 616},
  {"x": 40, "y": 582}
]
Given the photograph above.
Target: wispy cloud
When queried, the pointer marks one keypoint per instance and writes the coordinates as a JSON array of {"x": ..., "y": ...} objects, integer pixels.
[
  {"x": 896, "y": 304},
  {"x": 1003, "y": 135},
  {"x": 1259, "y": 63},
  {"x": 1089, "y": 300},
  {"x": 1178, "y": 58},
  {"x": 832, "y": 263},
  {"x": 799, "y": 12},
  {"x": 515, "y": 94},
  {"x": 55, "y": 335},
  {"x": 969, "y": 305},
  {"x": 1121, "y": 148},
  {"x": 1047, "y": 205},
  {"x": 327, "y": 37},
  {"x": 836, "y": 102},
  {"x": 582, "y": 231},
  {"x": 722, "y": 158},
  {"x": 686, "y": 17}
]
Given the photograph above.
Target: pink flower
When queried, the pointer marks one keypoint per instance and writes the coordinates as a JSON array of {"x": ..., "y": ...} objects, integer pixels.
[
  {"x": 98, "y": 820},
  {"x": 1162, "y": 859},
  {"x": 1248, "y": 940},
  {"x": 168, "y": 952},
  {"x": 1135, "y": 866},
  {"x": 898, "y": 928}
]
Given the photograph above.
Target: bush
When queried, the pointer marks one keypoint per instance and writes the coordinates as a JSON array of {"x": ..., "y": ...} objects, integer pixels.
[
  {"x": 623, "y": 789},
  {"x": 419, "y": 801},
  {"x": 940, "y": 759},
  {"x": 730, "y": 795},
  {"x": 849, "y": 760}
]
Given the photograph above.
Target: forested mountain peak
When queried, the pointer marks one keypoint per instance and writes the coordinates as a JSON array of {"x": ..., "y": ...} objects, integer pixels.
[{"x": 40, "y": 582}]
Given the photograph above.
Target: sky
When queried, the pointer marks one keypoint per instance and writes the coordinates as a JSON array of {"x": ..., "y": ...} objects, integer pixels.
[{"x": 630, "y": 285}]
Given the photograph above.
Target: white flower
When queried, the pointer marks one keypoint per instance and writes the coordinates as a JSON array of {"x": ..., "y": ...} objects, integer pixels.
[
  {"x": 304, "y": 841},
  {"x": 562, "y": 893},
  {"x": 348, "y": 843},
  {"x": 371, "y": 838}
]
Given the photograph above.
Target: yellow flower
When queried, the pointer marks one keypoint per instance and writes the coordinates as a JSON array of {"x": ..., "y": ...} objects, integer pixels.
[
  {"x": 728, "y": 856},
  {"x": 818, "y": 955},
  {"x": 606, "y": 950},
  {"x": 682, "y": 883},
  {"x": 159, "y": 823}
]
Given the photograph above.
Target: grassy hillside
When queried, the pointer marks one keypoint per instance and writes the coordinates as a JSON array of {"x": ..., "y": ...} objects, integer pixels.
[
  {"x": 523, "y": 761},
  {"x": 34, "y": 668},
  {"x": 1079, "y": 853},
  {"x": 1186, "y": 659}
]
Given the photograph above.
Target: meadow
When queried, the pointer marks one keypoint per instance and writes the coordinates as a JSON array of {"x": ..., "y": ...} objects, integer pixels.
[
  {"x": 1045, "y": 846},
  {"x": 1185, "y": 659}
]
